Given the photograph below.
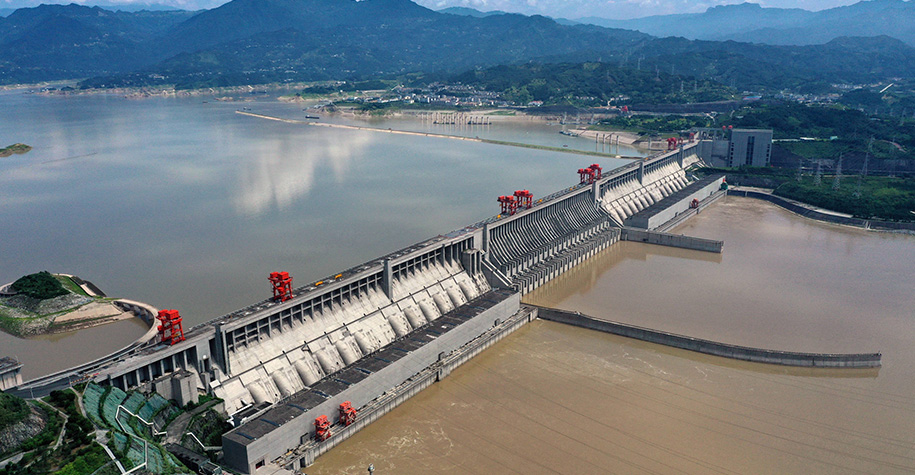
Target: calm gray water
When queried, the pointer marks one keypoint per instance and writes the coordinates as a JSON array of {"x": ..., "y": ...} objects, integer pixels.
[{"x": 182, "y": 203}]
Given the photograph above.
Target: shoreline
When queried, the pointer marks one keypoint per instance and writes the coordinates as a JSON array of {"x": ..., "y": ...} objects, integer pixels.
[
  {"x": 436, "y": 135},
  {"x": 63, "y": 314}
]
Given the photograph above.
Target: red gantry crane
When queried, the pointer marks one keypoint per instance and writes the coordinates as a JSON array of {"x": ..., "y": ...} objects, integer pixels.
[
  {"x": 509, "y": 205},
  {"x": 282, "y": 285},
  {"x": 322, "y": 428},
  {"x": 170, "y": 329},
  {"x": 524, "y": 198},
  {"x": 590, "y": 174},
  {"x": 672, "y": 143},
  {"x": 347, "y": 413}
]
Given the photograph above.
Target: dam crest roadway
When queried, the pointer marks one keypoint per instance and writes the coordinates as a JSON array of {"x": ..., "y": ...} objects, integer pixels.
[{"x": 378, "y": 333}]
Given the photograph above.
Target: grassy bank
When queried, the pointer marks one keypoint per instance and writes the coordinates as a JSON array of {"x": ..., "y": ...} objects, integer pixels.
[{"x": 886, "y": 198}]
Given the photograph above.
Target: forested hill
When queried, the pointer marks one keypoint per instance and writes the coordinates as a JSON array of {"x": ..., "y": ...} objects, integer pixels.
[
  {"x": 260, "y": 41},
  {"x": 592, "y": 84}
]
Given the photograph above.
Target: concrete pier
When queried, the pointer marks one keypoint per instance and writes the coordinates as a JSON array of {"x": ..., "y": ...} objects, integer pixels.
[{"x": 672, "y": 240}]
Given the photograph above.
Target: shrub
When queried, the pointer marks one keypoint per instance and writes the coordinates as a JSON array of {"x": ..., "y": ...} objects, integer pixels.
[{"x": 41, "y": 286}]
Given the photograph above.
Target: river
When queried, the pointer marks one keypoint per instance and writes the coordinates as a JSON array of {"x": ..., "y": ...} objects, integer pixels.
[
  {"x": 182, "y": 203},
  {"x": 552, "y": 398}
]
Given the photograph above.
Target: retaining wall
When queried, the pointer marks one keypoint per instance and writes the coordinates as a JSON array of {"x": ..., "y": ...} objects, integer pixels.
[
  {"x": 820, "y": 216},
  {"x": 758, "y": 355},
  {"x": 672, "y": 240},
  {"x": 691, "y": 212}
]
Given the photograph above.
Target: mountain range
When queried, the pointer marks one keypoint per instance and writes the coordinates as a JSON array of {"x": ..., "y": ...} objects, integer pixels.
[
  {"x": 258, "y": 41},
  {"x": 750, "y": 22}
]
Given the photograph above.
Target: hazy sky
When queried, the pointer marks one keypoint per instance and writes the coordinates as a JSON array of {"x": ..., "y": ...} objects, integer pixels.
[{"x": 556, "y": 8}]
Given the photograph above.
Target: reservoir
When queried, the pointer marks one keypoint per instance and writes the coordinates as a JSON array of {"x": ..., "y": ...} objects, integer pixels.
[
  {"x": 182, "y": 203},
  {"x": 557, "y": 399},
  {"x": 185, "y": 204}
]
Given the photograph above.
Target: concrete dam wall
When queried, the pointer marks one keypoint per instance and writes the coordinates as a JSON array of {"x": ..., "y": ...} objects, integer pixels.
[
  {"x": 283, "y": 354},
  {"x": 358, "y": 334},
  {"x": 636, "y": 188},
  {"x": 268, "y": 351}
]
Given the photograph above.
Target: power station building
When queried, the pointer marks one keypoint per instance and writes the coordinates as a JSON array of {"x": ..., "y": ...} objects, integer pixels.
[
  {"x": 750, "y": 147},
  {"x": 736, "y": 147}
]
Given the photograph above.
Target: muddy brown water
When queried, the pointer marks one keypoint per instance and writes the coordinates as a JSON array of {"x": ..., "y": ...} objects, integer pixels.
[{"x": 552, "y": 398}]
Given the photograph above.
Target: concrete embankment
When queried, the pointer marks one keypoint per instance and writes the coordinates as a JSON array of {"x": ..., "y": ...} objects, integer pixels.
[
  {"x": 757, "y": 355},
  {"x": 672, "y": 240},
  {"x": 806, "y": 212}
]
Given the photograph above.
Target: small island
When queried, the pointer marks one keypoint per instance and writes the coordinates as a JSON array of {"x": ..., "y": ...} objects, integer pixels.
[
  {"x": 43, "y": 303},
  {"x": 17, "y": 148}
]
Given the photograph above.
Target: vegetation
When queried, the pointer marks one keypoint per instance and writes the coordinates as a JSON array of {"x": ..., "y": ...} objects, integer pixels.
[
  {"x": 12, "y": 410},
  {"x": 885, "y": 198},
  {"x": 345, "y": 86},
  {"x": 654, "y": 124},
  {"x": 592, "y": 84},
  {"x": 18, "y": 148},
  {"x": 836, "y": 129},
  {"x": 41, "y": 286},
  {"x": 88, "y": 460},
  {"x": 70, "y": 285},
  {"x": 888, "y": 198}
]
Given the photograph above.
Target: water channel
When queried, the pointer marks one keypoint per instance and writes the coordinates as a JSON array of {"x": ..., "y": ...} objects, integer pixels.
[{"x": 558, "y": 399}]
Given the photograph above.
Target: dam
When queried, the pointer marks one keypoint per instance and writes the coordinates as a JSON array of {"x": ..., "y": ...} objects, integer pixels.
[
  {"x": 356, "y": 335},
  {"x": 367, "y": 334}
]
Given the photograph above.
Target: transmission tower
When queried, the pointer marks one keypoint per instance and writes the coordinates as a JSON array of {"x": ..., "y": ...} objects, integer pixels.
[
  {"x": 837, "y": 181},
  {"x": 800, "y": 169},
  {"x": 818, "y": 178},
  {"x": 870, "y": 146}
]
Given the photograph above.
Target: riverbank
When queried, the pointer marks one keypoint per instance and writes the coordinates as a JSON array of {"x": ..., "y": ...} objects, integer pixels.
[
  {"x": 608, "y": 136},
  {"x": 824, "y": 215},
  {"x": 82, "y": 306},
  {"x": 432, "y": 134}
]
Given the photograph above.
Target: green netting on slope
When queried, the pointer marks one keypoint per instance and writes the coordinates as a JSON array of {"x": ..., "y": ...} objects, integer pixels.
[
  {"x": 156, "y": 464},
  {"x": 120, "y": 441},
  {"x": 110, "y": 405},
  {"x": 153, "y": 405},
  {"x": 127, "y": 424},
  {"x": 136, "y": 453},
  {"x": 134, "y": 402},
  {"x": 91, "y": 402}
]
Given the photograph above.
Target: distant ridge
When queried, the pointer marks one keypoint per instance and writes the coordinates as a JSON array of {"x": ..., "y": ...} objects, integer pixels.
[
  {"x": 750, "y": 22},
  {"x": 262, "y": 41},
  {"x": 465, "y": 11}
]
